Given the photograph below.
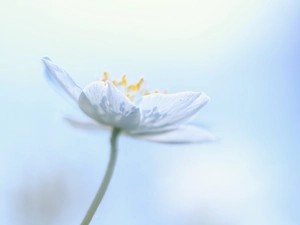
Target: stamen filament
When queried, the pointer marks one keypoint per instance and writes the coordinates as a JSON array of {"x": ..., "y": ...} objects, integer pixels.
[{"x": 131, "y": 91}]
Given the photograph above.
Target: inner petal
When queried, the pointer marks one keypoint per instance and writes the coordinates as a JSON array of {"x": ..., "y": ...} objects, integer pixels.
[
  {"x": 103, "y": 102},
  {"x": 161, "y": 112}
]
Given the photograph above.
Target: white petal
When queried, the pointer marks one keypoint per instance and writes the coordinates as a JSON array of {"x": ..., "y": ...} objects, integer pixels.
[
  {"x": 103, "y": 102},
  {"x": 163, "y": 112},
  {"x": 185, "y": 134},
  {"x": 61, "y": 80},
  {"x": 85, "y": 125}
]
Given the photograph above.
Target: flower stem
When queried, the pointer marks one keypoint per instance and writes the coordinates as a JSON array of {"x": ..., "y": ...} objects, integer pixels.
[{"x": 105, "y": 182}]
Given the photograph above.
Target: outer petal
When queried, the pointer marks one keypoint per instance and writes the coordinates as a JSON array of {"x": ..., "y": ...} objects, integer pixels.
[
  {"x": 103, "y": 102},
  {"x": 85, "y": 125},
  {"x": 61, "y": 80},
  {"x": 161, "y": 112},
  {"x": 185, "y": 134}
]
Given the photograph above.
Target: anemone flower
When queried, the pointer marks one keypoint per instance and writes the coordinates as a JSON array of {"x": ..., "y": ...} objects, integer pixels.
[{"x": 131, "y": 110}]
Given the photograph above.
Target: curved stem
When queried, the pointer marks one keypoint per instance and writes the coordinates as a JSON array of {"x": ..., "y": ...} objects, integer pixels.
[{"x": 105, "y": 182}]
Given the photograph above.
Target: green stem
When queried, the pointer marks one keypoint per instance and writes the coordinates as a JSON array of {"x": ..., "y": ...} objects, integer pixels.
[{"x": 105, "y": 182}]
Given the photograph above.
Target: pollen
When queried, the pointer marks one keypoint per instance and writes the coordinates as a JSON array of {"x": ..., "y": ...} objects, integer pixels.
[{"x": 131, "y": 91}]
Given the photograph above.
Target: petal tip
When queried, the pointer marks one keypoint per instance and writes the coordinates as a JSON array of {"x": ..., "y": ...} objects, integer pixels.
[
  {"x": 205, "y": 97},
  {"x": 45, "y": 59}
]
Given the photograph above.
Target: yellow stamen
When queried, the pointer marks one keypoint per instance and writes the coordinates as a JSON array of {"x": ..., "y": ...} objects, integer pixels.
[
  {"x": 124, "y": 81},
  {"x": 116, "y": 83},
  {"x": 132, "y": 91},
  {"x": 130, "y": 87},
  {"x": 141, "y": 81},
  {"x": 135, "y": 87},
  {"x": 105, "y": 76},
  {"x": 138, "y": 85}
]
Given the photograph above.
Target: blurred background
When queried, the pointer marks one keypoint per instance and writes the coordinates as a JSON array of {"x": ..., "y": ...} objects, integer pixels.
[{"x": 243, "y": 54}]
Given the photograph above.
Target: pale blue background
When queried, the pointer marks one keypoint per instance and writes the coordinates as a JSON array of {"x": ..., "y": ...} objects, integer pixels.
[{"x": 243, "y": 54}]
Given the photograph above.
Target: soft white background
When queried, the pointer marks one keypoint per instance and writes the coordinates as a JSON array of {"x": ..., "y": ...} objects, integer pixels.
[{"x": 243, "y": 54}]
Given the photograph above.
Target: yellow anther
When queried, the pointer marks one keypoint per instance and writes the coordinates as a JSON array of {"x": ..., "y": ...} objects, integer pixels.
[
  {"x": 165, "y": 92},
  {"x": 141, "y": 81},
  {"x": 105, "y": 76},
  {"x": 130, "y": 87},
  {"x": 115, "y": 82},
  {"x": 132, "y": 91},
  {"x": 138, "y": 85},
  {"x": 135, "y": 87},
  {"x": 124, "y": 81}
]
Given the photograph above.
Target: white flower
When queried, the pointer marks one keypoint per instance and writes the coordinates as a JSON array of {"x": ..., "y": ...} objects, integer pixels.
[{"x": 154, "y": 117}]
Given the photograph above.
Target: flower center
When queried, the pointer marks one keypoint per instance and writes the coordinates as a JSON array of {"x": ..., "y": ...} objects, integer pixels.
[{"x": 132, "y": 91}]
